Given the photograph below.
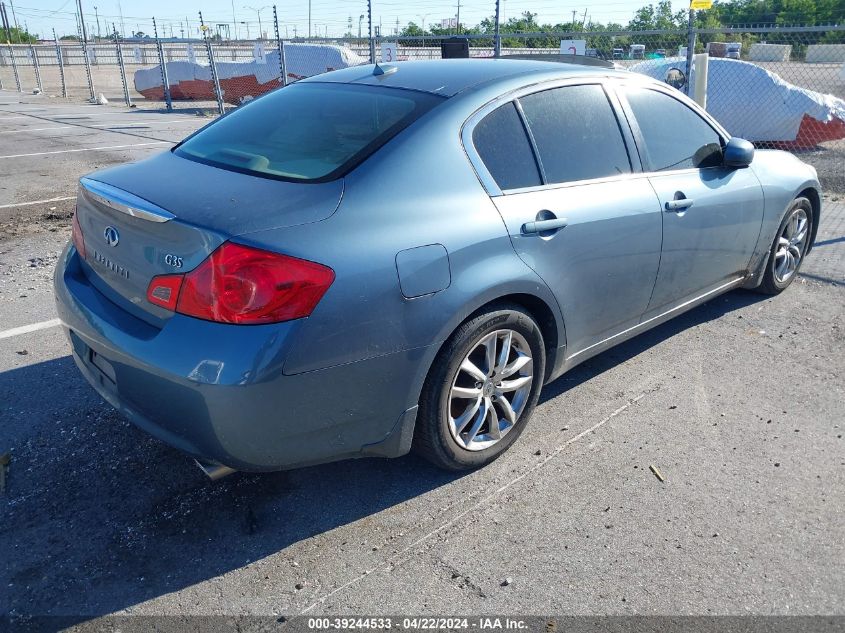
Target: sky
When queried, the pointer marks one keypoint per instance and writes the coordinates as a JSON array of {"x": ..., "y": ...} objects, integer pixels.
[{"x": 327, "y": 16}]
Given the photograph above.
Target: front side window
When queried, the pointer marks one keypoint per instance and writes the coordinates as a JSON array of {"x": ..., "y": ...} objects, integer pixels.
[
  {"x": 501, "y": 142},
  {"x": 576, "y": 133},
  {"x": 675, "y": 137},
  {"x": 307, "y": 131}
]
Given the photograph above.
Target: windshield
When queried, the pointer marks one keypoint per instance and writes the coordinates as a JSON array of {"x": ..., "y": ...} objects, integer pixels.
[{"x": 307, "y": 131}]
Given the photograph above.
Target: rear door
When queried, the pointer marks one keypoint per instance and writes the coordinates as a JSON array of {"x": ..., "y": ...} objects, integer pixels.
[
  {"x": 556, "y": 163},
  {"x": 712, "y": 214}
]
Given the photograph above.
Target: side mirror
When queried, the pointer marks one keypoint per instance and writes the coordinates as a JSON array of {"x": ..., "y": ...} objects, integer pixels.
[
  {"x": 676, "y": 78},
  {"x": 738, "y": 153}
]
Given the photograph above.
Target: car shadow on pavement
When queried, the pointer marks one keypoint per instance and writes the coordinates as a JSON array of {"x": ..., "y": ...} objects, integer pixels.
[
  {"x": 612, "y": 357},
  {"x": 99, "y": 517}
]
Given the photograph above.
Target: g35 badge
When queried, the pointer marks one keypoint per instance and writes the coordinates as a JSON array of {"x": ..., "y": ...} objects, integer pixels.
[{"x": 173, "y": 260}]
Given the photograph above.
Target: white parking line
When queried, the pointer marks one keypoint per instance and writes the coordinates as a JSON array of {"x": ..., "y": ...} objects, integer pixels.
[
  {"x": 26, "y": 329},
  {"x": 37, "y": 129},
  {"x": 27, "y": 204},
  {"x": 105, "y": 126},
  {"x": 133, "y": 123},
  {"x": 89, "y": 149},
  {"x": 59, "y": 116}
]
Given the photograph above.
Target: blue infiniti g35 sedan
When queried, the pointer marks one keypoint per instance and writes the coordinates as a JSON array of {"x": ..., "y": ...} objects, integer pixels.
[{"x": 377, "y": 260}]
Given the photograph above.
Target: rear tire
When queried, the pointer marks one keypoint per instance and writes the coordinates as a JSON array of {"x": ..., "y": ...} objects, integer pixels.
[
  {"x": 789, "y": 247},
  {"x": 473, "y": 408}
]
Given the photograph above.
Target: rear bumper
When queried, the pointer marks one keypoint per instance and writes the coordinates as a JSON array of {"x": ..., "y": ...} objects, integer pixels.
[{"x": 217, "y": 391}]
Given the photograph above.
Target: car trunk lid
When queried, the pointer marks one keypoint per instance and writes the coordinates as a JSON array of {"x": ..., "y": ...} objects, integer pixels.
[{"x": 166, "y": 216}]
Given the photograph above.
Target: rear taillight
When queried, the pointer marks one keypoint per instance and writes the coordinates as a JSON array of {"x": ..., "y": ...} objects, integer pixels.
[
  {"x": 76, "y": 235},
  {"x": 164, "y": 290},
  {"x": 244, "y": 285}
]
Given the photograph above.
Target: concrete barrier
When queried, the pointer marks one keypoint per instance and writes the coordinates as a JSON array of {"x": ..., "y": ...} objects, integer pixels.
[
  {"x": 770, "y": 52},
  {"x": 825, "y": 53}
]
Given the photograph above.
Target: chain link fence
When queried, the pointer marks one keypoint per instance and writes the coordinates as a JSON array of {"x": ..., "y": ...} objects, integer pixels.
[{"x": 778, "y": 87}]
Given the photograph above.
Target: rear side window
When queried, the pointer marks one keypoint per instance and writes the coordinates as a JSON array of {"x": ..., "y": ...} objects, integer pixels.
[
  {"x": 675, "y": 136},
  {"x": 503, "y": 145},
  {"x": 576, "y": 132},
  {"x": 307, "y": 131}
]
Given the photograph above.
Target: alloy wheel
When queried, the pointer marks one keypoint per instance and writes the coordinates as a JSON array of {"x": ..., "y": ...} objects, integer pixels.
[
  {"x": 791, "y": 243},
  {"x": 490, "y": 389}
]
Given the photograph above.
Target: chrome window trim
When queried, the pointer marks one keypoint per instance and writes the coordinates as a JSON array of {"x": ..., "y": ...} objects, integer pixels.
[
  {"x": 123, "y": 201},
  {"x": 577, "y": 183},
  {"x": 487, "y": 181}
]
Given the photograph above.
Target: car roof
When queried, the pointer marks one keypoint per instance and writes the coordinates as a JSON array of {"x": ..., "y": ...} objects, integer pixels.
[{"x": 450, "y": 76}]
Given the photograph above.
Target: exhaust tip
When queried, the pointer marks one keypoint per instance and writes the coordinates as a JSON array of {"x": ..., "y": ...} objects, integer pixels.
[{"x": 214, "y": 471}]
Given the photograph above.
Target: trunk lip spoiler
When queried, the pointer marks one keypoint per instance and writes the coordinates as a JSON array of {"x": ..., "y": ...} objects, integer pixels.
[{"x": 123, "y": 201}]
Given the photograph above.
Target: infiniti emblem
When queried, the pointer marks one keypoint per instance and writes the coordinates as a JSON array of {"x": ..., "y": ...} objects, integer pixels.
[{"x": 111, "y": 235}]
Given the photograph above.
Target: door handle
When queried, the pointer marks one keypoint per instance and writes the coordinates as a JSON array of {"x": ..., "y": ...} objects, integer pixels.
[
  {"x": 541, "y": 226},
  {"x": 680, "y": 204}
]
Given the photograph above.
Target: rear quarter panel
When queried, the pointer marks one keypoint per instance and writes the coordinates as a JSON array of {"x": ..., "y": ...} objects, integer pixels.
[{"x": 418, "y": 190}]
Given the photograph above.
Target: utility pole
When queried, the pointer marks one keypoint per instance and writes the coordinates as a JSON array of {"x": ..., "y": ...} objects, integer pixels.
[
  {"x": 458, "y": 26},
  {"x": 309, "y": 19},
  {"x": 122, "y": 25},
  {"x": 584, "y": 22},
  {"x": 234, "y": 19},
  {"x": 573, "y": 17},
  {"x": 360, "y": 19},
  {"x": 97, "y": 17},
  {"x": 258, "y": 11},
  {"x": 15, "y": 20}
]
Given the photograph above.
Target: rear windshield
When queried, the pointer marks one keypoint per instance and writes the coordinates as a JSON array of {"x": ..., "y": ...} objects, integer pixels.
[{"x": 307, "y": 131}]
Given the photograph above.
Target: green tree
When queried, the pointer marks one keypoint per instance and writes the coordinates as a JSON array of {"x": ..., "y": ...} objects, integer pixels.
[
  {"x": 658, "y": 17},
  {"x": 801, "y": 12},
  {"x": 18, "y": 36}
]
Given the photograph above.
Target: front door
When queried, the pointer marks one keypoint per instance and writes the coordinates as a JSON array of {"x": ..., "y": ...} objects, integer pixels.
[{"x": 712, "y": 214}]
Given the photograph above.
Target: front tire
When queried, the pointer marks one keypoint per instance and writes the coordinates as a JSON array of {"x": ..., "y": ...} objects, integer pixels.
[
  {"x": 787, "y": 252},
  {"x": 481, "y": 389}
]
